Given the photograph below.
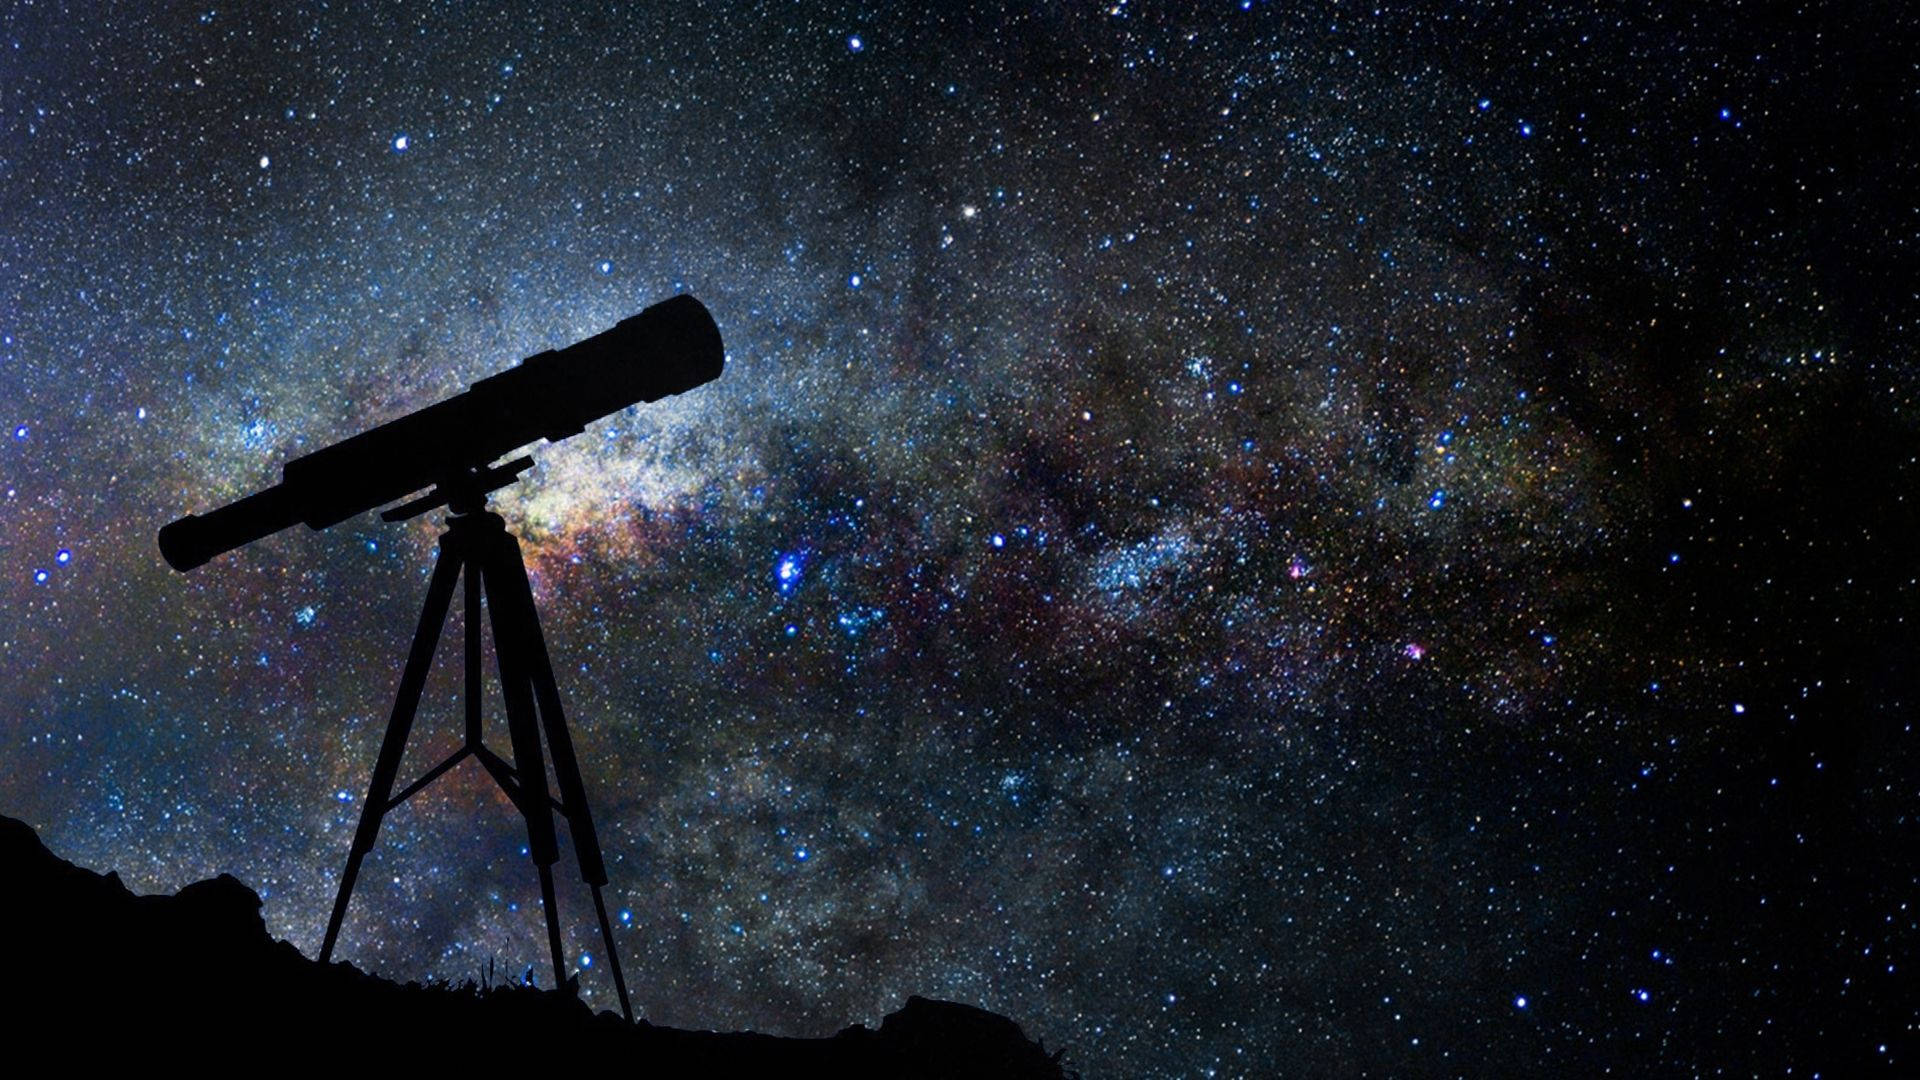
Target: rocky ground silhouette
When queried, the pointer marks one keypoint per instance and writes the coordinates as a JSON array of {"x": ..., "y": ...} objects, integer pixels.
[{"x": 98, "y": 976}]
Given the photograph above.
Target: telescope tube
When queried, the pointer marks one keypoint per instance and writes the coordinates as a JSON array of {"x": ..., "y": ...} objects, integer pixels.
[{"x": 667, "y": 349}]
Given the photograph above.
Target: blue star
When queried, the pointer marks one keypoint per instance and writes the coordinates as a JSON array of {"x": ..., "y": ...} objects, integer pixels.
[{"x": 787, "y": 570}]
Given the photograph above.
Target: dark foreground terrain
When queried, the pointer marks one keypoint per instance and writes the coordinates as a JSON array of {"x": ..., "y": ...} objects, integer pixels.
[{"x": 96, "y": 975}]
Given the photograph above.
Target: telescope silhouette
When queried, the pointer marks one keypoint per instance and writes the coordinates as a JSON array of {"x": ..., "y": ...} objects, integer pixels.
[{"x": 667, "y": 349}]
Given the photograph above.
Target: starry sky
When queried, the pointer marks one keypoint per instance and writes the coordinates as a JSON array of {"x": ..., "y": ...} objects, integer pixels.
[{"x": 1253, "y": 539}]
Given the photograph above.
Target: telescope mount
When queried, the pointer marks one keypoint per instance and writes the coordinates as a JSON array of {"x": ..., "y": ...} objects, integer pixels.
[{"x": 476, "y": 546}]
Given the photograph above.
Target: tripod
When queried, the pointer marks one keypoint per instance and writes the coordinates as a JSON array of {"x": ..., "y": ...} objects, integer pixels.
[{"x": 477, "y": 542}]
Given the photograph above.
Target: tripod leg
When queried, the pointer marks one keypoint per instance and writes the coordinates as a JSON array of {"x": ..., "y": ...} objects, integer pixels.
[
  {"x": 471, "y": 617},
  {"x": 426, "y": 637},
  {"x": 566, "y": 766},
  {"x": 501, "y": 556}
]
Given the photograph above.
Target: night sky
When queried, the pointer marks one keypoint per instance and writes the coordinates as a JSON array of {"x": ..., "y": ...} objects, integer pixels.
[{"x": 1315, "y": 540}]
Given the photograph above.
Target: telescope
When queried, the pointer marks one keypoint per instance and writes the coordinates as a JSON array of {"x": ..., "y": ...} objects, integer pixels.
[
  {"x": 667, "y": 349},
  {"x": 450, "y": 446}
]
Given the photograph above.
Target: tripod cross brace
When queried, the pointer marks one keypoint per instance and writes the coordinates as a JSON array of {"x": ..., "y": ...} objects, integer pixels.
[{"x": 478, "y": 546}]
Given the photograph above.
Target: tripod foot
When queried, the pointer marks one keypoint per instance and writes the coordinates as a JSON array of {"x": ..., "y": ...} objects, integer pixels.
[
  {"x": 340, "y": 905},
  {"x": 613, "y": 954},
  {"x": 553, "y": 926}
]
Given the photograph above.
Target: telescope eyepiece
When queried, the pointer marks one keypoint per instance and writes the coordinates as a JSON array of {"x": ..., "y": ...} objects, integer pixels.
[{"x": 196, "y": 538}]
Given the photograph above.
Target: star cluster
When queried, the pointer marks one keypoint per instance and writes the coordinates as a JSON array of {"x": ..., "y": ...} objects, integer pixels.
[{"x": 1255, "y": 540}]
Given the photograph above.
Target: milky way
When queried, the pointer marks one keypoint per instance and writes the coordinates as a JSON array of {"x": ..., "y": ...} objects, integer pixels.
[{"x": 1322, "y": 542}]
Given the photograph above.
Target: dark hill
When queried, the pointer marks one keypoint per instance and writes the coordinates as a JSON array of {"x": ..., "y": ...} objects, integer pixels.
[{"x": 96, "y": 975}]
